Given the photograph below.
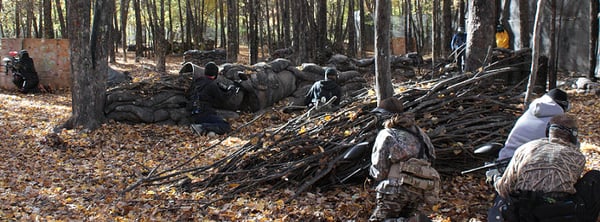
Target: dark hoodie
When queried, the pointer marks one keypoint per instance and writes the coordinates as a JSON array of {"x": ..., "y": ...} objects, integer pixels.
[
  {"x": 29, "y": 76},
  {"x": 323, "y": 88}
]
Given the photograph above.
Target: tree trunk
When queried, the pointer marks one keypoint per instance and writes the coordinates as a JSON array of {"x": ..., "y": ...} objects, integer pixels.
[
  {"x": 113, "y": 33},
  {"x": 553, "y": 53},
  {"x": 268, "y": 25},
  {"x": 321, "y": 34},
  {"x": 351, "y": 30},
  {"x": 124, "y": 15},
  {"x": 232, "y": 34},
  {"x": 363, "y": 38},
  {"x": 594, "y": 10},
  {"x": 447, "y": 26},
  {"x": 88, "y": 62},
  {"x": 287, "y": 40},
  {"x": 48, "y": 25},
  {"x": 383, "y": 78},
  {"x": 253, "y": 31},
  {"x": 535, "y": 51},
  {"x": 138, "y": 31},
  {"x": 189, "y": 21},
  {"x": 18, "y": 31},
  {"x": 158, "y": 28},
  {"x": 222, "y": 16},
  {"x": 480, "y": 32},
  {"x": 435, "y": 52},
  {"x": 524, "y": 24}
]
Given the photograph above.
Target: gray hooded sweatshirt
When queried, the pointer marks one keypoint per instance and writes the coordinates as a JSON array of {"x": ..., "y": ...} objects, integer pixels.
[{"x": 531, "y": 125}]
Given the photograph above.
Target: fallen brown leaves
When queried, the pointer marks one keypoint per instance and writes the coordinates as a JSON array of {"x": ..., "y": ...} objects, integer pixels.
[{"x": 78, "y": 175}]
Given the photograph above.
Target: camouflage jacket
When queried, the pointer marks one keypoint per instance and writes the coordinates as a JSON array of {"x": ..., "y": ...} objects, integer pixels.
[
  {"x": 542, "y": 165},
  {"x": 393, "y": 146}
]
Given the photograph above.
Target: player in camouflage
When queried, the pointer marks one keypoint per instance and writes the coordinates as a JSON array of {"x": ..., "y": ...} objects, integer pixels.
[
  {"x": 542, "y": 181},
  {"x": 401, "y": 168}
]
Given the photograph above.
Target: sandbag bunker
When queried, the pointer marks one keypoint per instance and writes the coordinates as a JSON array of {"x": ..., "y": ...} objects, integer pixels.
[{"x": 165, "y": 100}]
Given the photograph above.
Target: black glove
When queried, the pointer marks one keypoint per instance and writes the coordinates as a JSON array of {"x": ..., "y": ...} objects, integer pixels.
[{"x": 491, "y": 176}]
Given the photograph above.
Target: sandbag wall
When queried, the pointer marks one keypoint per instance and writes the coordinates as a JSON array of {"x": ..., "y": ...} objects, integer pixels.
[{"x": 165, "y": 100}]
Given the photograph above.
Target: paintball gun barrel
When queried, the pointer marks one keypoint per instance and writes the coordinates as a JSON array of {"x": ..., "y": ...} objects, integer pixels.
[{"x": 495, "y": 164}]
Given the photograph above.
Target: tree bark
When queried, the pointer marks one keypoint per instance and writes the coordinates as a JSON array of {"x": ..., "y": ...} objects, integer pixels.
[
  {"x": 383, "y": 79},
  {"x": 351, "y": 30},
  {"x": 253, "y": 31},
  {"x": 139, "y": 41},
  {"x": 535, "y": 51},
  {"x": 594, "y": 10},
  {"x": 232, "y": 31},
  {"x": 124, "y": 15},
  {"x": 524, "y": 24},
  {"x": 321, "y": 34},
  {"x": 480, "y": 32},
  {"x": 447, "y": 26},
  {"x": 48, "y": 25},
  {"x": 363, "y": 39},
  {"x": 88, "y": 62}
]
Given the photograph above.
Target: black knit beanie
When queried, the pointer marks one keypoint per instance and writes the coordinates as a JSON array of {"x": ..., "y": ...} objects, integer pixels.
[{"x": 559, "y": 97}]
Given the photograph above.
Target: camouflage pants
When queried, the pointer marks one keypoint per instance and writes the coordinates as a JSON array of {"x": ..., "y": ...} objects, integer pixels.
[{"x": 397, "y": 206}]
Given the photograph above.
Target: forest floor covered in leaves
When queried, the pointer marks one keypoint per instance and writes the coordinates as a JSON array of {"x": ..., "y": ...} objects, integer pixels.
[{"x": 85, "y": 178}]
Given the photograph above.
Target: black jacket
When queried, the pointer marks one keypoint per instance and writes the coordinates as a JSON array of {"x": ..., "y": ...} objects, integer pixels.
[{"x": 323, "y": 88}]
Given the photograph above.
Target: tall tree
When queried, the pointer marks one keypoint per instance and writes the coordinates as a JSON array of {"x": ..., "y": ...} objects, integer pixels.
[
  {"x": 594, "y": 13},
  {"x": 446, "y": 26},
  {"x": 535, "y": 51},
  {"x": 61, "y": 19},
  {"x": 351, "y": 30},
  {"x": 321, "y": 34},
  {"x": 89, "y": 63},
  {"x": 363, "y": 38},
  {"x": 232, "y": 31},
  {"x": 124, "y": 15},
  {"x": 139, "y": 41},
  {"x": 157, "y": 13},
  {"x": 253, "y": 30},
  {"x": 480, "y": 32},
  {"x": 383, "y": 77},
  {"x": 48, "y": 25}
]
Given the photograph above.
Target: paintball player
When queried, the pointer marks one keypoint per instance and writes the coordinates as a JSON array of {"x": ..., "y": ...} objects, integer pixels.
[
  {"x": 459, "y": 39},
  {"x": 542, "y": 181},
  {"x": 25, "y": 78},
  {"x": 457, "y": 45},
  {"x": 401, "y": 167},
  {"x": 502, "y": 39},
  {"x": 324, "y": 90},
  {"x": 531, "y": 124},
  {"x": 204, "y": 93}
]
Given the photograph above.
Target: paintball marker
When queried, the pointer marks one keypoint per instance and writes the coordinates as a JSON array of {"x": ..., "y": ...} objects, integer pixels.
[
  {"x": 487, "y": 149},
  {"x": 496, "y": 164}
]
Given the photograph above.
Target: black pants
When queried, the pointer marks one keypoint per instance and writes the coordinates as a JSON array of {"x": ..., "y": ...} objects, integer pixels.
[
  {"x": 535, "y": 206},
  {"x": 588, "y": 196}
]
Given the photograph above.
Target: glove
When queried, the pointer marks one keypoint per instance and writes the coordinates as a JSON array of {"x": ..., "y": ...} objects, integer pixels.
[
  {"x": 491, "y": 176},
  {"x": 198, "y": 129}
]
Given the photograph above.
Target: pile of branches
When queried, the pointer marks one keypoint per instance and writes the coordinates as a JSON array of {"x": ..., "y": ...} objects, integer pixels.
[{"x": 458, "y": 113}]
